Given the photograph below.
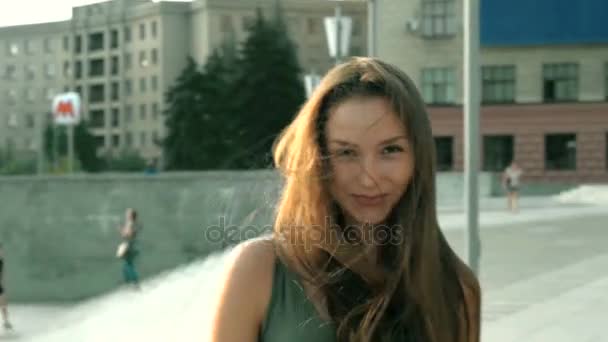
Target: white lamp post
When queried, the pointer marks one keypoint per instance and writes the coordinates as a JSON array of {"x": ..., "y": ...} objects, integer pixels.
[{"x": 338, "y": 30}]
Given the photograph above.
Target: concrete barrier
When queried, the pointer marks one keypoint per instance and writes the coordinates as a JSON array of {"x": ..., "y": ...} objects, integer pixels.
[{"x": 60, "y": 233}]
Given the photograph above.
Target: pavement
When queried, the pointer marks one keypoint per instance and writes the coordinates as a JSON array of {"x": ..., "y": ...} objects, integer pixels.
[{"x": 543, "y": 274}]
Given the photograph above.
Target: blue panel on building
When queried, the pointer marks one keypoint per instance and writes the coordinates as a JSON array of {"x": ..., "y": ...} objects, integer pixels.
[{"x": 543, "y": 22}]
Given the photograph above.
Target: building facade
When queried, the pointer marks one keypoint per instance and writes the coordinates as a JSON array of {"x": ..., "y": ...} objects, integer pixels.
[
  {"x": 121, "y": 56},
  {"x": 544, "y": 81}
]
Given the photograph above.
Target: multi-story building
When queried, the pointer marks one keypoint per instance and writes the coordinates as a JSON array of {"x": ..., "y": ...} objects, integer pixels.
[
  {"x": 122, "y": 55},
  {"x": 544, "y": 81}
]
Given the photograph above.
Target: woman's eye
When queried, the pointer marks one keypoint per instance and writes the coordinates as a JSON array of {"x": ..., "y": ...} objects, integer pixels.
[
  {"x": 392, "y": 149},
  {"x": 345, "y": 153}
]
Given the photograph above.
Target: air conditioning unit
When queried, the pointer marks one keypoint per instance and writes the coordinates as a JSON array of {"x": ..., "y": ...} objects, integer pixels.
[{"x": 412, "y": 25}]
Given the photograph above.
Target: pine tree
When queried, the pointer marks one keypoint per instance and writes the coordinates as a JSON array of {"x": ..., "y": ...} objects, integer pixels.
[
  {"x": 267, "y": 93},
  {"x": 184, "y": 120}
]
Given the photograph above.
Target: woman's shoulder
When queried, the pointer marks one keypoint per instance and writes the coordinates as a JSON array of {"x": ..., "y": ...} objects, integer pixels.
[{"x": 245, "y": 289}]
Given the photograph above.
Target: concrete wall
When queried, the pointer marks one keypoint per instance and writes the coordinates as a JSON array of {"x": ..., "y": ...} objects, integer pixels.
[{"x": 60, "y": 233}]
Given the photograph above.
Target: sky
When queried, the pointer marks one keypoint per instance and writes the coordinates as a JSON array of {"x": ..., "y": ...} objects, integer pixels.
[{"x": 22, "y": 12}]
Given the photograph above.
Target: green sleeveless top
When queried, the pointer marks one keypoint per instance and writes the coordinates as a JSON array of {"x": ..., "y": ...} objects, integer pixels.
[{"x": 291, "y": 316}]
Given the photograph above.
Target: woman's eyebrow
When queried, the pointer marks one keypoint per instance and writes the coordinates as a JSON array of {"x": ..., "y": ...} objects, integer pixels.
[{"x": 383, "y": 142}]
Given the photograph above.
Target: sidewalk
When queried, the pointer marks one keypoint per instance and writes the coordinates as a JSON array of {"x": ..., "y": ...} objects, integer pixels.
[{"x": 579, "y": 314}]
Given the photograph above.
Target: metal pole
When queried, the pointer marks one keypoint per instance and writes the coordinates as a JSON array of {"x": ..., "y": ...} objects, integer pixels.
[
  {"x": 40, "y": 142},
  {"x": 338, "y": 17},
  {"x": 471, "y": 109},
  {"x": 372, "y": 9},
  {"x": 55, "y": 147},
  {"x": 70, "y": 148}
]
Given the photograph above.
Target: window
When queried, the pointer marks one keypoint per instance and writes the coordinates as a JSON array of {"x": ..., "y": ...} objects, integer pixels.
[
  {"x": 142, "y": 85},
  {"x": 247, "y": 22},
  {"x": 12, "y": 120},
  {"x": 128, "y": 61},
  {"x": 498, "y": 84},
  {"x": 98, "y": 118},
  {"x": 142, "y": 138},
  {"x": 114, "y": 93},
  {"x": 142, "y": 31},
  {"x": 127, "y": 33},
  {"x": 11, "y": 96},
  {"x": 356, "y": 29},
  {"x": 114, "y": 65},
  {"x": 29, "y": 120},
  {"x": 48, "y": 45},
  {"x": 438, "y": 85},
  {"x": 30, "y": 72},
  {"x": 312, "y": 26},
  {"x": 128, "y": 139},
  {"x": 226, "y": 24},
  {"x": 67, "y": 70},
  {"x": 438, "y": 18},
  {"x": 154, "y": 54},
  {"x": 96, "y": 67},
  {"x": 100, "y": 141},
  {"x": 96, "y": 41},
  {"x": 49, "y": 93},
  {"x": 143, "y": 61},
  {"x": 115, "y": 140},
  {"x": 128, "y": 88},
  {"x": 49, "y": 70},
  {"x": 10, "y": 72},
  {"x": 30, "y": 94},
  {"x": 66, "y": 43},
  {"x": 13, "y": 49},
  {"x": 78, "y": 70},
  {"x": 154, "y": 83},
  {"x": 154, "y": 29},
  {"x": 445, "y": 153},
  {"x": 115, "y": 117},
  {"x": 560, "y": 151},
  {"x": 96, "y": 93},
  {"x": 78, "y": 44},
  {"x": 114, "y": 39},
  {"x": 30, "y": 47},
  {"x": 560, "y": 82},
  {"x": 128, "y": 114},
  {"x": 142, "y": 112},
  {"x": 155, "y": 111},
  {"x": 497, "y": 152}
]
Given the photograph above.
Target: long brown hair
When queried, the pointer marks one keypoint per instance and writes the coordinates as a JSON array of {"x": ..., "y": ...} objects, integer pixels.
[{"x": 422, "y": 296}]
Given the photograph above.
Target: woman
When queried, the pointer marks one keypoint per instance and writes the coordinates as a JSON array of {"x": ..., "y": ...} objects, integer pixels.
[
  {"x": 357, "y": 253},
  {"x": 510, "y": 182},
  {"x": 127, "y": 250},
  {"x": 3, "y": 302}
]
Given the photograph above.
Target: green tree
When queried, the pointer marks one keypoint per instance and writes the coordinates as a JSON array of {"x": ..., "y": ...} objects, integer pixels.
[
  {"x": 267, "y": 93},
  {"x": 85, "y": 146},
  {"x": 184, "y": 120}
]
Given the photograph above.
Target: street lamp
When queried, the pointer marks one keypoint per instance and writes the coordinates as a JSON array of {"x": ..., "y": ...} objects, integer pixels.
[{"x": 338, "y": 30}]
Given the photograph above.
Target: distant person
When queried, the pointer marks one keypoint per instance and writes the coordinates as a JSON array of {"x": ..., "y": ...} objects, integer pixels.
[
  {"x": 3, "y": 302},
  {"x": 151, "y": 168},
  {"x": 511, "y": 183},
  {"x": 128, "y": 249}
]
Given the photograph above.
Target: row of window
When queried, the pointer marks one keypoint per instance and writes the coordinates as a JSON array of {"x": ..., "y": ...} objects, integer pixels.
[
  {"x": 129, "y": 139},
  {"x": 97, "y": 118},
  {"x": 498, "y": 152},
  {"x": 96, "y": 67},
  {"x": 94, "y": 41},
  {"x": 313, "y": 25},
  {"x": 560, "y": 83}
]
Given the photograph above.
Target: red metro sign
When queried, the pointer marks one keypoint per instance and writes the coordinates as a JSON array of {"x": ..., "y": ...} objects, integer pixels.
[{"x": 66, "y": 109}]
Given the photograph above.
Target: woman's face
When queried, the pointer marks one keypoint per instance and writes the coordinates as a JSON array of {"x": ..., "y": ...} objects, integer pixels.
[{"x": 370, "y": 158}]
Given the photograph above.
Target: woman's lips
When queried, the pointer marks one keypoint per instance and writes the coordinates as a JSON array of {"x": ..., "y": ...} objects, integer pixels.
[{"x": 369, "y": 201}]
